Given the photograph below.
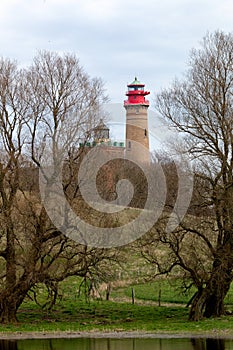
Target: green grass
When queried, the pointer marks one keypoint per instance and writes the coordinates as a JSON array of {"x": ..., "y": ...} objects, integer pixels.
[
  {"x": 168, "y": 292},
  {"x": 110, "y": 316},
  {"x": 72, "y": 313}
]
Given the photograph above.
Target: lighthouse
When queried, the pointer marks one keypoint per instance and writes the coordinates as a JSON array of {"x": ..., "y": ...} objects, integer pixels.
[{"x": 137, "y": 136}]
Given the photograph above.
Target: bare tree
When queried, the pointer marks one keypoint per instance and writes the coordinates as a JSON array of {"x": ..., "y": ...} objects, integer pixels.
[
  {"x": 200, "y": 108},
  {"x": 44, "y": 109}
]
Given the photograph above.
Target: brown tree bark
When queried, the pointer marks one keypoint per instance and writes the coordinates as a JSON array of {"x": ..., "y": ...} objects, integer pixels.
[
  {"x": 34, "y": 106},
  {"x": 209, "y": 301},
  {"x": 200, "y": 108}
]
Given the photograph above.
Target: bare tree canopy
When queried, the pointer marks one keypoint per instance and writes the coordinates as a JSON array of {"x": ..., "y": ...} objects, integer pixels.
[
  {"x": 200, "y": 108},
  {"x": 52, "y": 102}
]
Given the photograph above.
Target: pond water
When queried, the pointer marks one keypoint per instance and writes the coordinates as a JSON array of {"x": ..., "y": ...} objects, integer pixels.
[{"x": 118, "y": 344}]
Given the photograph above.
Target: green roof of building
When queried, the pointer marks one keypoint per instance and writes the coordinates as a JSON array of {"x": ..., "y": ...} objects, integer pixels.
[{"x": 136, "y": 82}]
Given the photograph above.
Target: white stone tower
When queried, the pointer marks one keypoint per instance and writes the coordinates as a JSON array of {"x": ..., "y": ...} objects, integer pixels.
[{"x": 137, "y": 135}]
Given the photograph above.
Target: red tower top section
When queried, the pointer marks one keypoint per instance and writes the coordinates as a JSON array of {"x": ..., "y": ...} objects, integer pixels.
[{"x": 136, "y": 94}]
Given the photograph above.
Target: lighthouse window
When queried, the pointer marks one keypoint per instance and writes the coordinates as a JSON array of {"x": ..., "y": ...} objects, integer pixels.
[
  {"x": 129, "y": 144},
  {"x": 145, "y": 132}
]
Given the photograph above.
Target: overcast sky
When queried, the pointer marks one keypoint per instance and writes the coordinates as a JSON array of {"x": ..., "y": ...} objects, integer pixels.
[{"x": 114, "y": 39}]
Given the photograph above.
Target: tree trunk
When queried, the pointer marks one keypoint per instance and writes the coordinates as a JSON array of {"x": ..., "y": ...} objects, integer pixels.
[
  {"x": 214, "y": 305},
  {"x": 209, "y": 301},
  {"x": 197, "y": 306},
  {"x": 8, "y": 310},
  {"x": 8, "y": 307},
  {"x": 11, "y": 299}
]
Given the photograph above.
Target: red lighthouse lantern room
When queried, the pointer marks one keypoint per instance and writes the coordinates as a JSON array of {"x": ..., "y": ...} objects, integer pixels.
[{"x": 136, "y": 94}]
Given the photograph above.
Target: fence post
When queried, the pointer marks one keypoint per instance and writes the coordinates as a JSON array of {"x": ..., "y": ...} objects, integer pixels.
[
  {"x": 108, "y": 290},
  {"x": 133, "y": 296},
  {"x": 159, "y": 297}
]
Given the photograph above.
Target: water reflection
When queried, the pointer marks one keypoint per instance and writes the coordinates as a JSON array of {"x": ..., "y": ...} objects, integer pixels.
[
  {"x": 208, "y": 344},
  {"x": 117, "y": 344},
  {"x": 8, "y": 345}
]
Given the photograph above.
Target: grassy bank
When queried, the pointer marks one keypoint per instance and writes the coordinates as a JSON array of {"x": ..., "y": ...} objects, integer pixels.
[
  {"x": 110, "y": 316},
  {"x": 72, "y": 313}
]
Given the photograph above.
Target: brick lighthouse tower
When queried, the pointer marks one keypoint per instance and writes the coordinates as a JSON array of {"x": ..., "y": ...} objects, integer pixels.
[{"x": 137, "y": 136}]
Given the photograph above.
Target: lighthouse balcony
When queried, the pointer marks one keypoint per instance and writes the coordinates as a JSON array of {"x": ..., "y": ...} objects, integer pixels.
[
  {"x": 139, "y": 103},
  {"x": 137, "y": 92}
]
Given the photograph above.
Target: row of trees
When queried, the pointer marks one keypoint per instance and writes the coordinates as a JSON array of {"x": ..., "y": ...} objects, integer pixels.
[
  {"x": 46, "y": 109},
  {"x": 52, "y": 103}
]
